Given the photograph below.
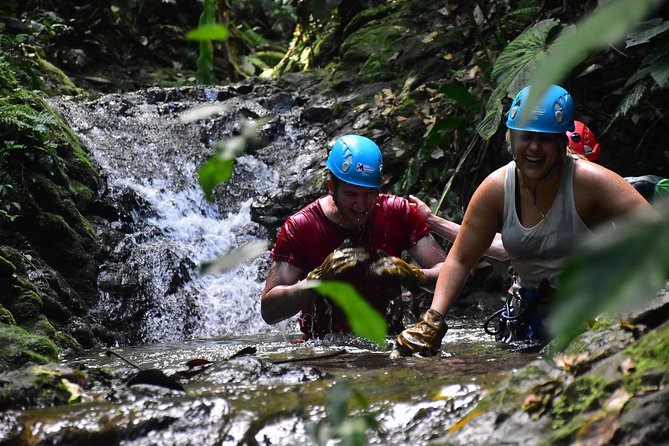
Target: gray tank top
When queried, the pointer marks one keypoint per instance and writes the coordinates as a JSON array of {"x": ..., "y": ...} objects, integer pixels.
[{"x": 540, "y": 251}]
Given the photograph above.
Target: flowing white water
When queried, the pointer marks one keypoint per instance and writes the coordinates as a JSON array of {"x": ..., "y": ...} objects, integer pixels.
[{"x": 151, "y": 153}]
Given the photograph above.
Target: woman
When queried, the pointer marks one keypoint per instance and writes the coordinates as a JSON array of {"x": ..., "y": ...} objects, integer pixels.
[{"x": 543, "y": 202}]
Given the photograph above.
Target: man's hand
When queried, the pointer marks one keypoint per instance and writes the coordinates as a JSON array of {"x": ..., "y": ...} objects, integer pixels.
[
  {"x": 339, "y": 261},
  {"x": 423, "y": 338},
  {"x": 409, "y": 275}
]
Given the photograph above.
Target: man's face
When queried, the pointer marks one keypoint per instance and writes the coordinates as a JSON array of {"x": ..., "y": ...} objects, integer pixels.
[{"x": 355, "y": 203}]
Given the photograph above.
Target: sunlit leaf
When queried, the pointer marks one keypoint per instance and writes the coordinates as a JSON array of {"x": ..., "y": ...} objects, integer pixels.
[
  {"x": 75, "y": 390},
  {"x": 235, "y": 257},
  {"x": 606, "y": 25},
  {"x": 215, "y": 171},
  {"x": 363, "y": 319},
  {"x": 214, "y": 31},
  {"x": 618, "y": 267},
  {"x": 45, "y": 371}
]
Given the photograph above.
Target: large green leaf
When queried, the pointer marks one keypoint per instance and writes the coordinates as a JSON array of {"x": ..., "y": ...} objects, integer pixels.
[
  {"x": 363, "y": 319},
  {"x": 512, "y": 68},
  {"x": 646, "y": 31},
  {"x": 607, "y": 25},
  {"x": 616, "y": 269}
]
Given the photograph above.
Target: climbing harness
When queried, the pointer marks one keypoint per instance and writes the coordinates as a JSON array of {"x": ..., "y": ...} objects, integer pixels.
[{"x": 519, "y": 321}]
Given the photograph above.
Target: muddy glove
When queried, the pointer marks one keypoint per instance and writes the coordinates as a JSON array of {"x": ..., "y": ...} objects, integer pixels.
[
  {"x": 423, "y": 338},
  {"x": 394, "y": 267},
  {"x": 339, "y": 261}
]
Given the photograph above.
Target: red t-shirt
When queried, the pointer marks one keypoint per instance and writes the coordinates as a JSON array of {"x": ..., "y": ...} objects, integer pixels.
[{"x": 308, "y": 237}]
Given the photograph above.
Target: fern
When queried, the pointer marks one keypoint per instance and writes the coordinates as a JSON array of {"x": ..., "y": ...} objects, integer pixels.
[
  {"x": 512, "y": 68},
  {"x": 632, "y": 99}
]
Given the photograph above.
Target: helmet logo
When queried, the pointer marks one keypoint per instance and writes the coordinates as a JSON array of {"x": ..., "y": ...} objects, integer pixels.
[{"x": 363, "y": 168}]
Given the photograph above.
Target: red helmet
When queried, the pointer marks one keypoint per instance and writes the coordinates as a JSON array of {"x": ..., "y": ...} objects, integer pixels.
[{"x": 583, "y": 141}]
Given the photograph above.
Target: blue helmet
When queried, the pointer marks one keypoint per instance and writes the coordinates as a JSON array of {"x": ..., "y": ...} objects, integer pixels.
[
  {"x": 356, "y": 160},
  {"x": 553, "y": 114}
]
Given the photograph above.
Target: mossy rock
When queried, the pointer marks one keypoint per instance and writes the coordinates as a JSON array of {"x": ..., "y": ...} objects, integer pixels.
[
  {"x": 6, "y": 316},
  {"x": 18, "y": 347},
  {"x": 7, "y": 268}
]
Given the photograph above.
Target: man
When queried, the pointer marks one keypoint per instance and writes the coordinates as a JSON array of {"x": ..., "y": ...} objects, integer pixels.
[{"x": 354, "y": 234}]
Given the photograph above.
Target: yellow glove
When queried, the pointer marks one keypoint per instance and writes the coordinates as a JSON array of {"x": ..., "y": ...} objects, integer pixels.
[
  {"x": 339, "y": 261},
  {"x": 423, "y": 338},
  {"x": 408, "y": 274}
]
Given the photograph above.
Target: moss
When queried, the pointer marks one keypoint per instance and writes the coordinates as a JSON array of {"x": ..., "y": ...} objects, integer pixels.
[
  {"x": 53, "y": 81},
  {"x": 582, "y": 395},
  {"x": 6, "y": 316},
  {"x": 7, "y": 268},
  {"x": 18, "y": 347},
  {"x": 377, "y": 56},
  {"x": 27, "y": 306},
  {"x": 652, "y": 350},
  {"x": 510, "y": 393}
]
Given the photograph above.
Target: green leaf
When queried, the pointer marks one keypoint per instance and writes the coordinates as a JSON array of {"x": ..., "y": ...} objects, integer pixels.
[
  {"x": 363, "y": 319},
  {"x": 646, "y": 31},
  {"x": 214, "y": 172},
  {"x": 632, "y": 98},
  {"x": 616, "y": 269},
  {"x": 214, "y": 31},
  {"x": 460, "y": 95},
  {"x": 659, "y": 71},
  {"x": 607, "y": 25},
  {"x": 512, "y": 69}
]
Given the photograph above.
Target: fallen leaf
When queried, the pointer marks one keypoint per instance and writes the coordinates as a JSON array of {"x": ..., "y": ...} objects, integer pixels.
[
  {"x": 598, "y": 430},
  {"x": 430, "y": 37},
  {"x": 627, "y": 366},
  {"x": 447, "y": 56},
  {"x": 615, "y": 403},
  {"x": 572, "y": 363}
]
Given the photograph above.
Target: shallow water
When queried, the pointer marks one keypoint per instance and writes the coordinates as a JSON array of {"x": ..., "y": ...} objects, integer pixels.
[{"x": 277, "y": 395}]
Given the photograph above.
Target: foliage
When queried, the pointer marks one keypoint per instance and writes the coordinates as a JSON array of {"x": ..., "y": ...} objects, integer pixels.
[
  {"x": 512, "y": 69},
  {"x": 363, "y": 319},
  {"x": 204, "y": 34},
  {"x": 351, "y": 431},
  {"x": 605, "y": 26},
  {"x": 618, "y": 268}
]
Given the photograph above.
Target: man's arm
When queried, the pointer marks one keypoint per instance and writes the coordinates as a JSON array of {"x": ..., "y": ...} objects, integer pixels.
[
  {"x": 283, "y": 295},
  {"x": 429, "y": 255},
  {"x": 449, "y": 230}
]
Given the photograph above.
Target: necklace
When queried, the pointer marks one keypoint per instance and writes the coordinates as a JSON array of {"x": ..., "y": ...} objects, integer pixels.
[{"x": 534, "y": 197}]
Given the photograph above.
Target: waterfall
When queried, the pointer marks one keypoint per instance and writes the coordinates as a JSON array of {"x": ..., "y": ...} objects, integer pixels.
[{"x": 150, "y": 286}]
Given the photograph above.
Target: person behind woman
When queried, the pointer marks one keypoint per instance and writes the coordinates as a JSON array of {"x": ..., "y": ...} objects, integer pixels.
[{"x": 544, "y": 202}]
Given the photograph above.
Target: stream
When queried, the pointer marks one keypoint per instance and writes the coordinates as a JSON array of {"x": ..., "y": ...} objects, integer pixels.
[{"x": 193, "y": 328}]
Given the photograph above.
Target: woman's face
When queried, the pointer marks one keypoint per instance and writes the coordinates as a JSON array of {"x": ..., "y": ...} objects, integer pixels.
[{"x": 536, "y": 153}]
